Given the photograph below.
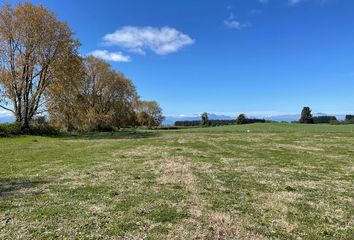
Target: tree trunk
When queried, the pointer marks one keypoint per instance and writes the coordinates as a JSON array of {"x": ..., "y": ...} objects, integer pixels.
[{"x": 25, "y": 125}]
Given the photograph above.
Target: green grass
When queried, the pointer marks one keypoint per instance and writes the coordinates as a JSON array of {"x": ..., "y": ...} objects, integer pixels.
[{"x": 260, "y": 181}]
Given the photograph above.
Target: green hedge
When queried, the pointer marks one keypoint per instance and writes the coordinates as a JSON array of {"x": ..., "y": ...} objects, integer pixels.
[{"x": 13, "y": 129}]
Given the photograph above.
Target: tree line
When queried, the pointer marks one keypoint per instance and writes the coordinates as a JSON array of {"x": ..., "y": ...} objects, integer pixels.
[
  {"x": 41, "y": 72},
  {"x": 205, "y": 122},
  {"x": 306, "y": 118}
]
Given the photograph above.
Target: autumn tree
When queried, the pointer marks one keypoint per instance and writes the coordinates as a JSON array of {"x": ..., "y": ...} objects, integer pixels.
[
  {"x": 33, "y": 42},
  {"x": 149, "y": 113},
  {"x": 65, "y": 103},
  {"x": 91, "y": 94},
  {"x": 109, "y": 94},
  {"x": 306, "y": 116}
]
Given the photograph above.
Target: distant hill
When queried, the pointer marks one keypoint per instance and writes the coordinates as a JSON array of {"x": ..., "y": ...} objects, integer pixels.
[{"x": 6, "y": 119}]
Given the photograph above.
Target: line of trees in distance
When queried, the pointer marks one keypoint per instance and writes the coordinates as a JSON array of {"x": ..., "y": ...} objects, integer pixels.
[
  {"x": 306, "y": 118},
  {"x": 205, "y": 122}
]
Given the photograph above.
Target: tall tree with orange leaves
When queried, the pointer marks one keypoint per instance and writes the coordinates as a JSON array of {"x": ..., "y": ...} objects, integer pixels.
[{"x": 33, "y": 45}]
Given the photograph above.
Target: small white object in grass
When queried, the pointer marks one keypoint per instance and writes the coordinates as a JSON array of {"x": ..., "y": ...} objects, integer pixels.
[{"x": 248, "y": 131}]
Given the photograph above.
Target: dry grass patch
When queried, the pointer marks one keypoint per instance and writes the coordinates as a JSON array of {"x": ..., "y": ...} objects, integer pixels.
[
  {"x": 297, "y": 147},
  {"x": 143, "y": 151},
  {"x": 225, "y": 227}
]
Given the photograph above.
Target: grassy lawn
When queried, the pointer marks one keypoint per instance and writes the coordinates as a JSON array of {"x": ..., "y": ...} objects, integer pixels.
[{"x": 260, "y": 181}]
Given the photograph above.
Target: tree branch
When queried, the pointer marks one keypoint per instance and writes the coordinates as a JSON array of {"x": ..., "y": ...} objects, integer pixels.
[{"x": 8, "y": 109}]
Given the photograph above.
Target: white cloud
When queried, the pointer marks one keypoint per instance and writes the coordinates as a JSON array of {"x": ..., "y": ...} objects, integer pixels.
[
  {"x": 161, "y": 41},
  {"x": 110, "y": 56},
  {"x": 294, "y": 2},
  {"x": 4, "y": 113},
  {"x": 233, "y": 23}
]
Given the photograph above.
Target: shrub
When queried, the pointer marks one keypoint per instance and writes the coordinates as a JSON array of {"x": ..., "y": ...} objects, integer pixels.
[
  {"x": 324, "y": 119},
  {"x": 13, "y": 129},
  {"x": 43, "y": 130},
  {"x": 334, "y": 122},
  {"x": 10, "y": 129}
]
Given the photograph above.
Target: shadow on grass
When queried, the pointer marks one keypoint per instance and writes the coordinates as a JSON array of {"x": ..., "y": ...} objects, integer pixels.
[
  {"x": 12, "y": 188},
  {"x": 124, "y": 134}
]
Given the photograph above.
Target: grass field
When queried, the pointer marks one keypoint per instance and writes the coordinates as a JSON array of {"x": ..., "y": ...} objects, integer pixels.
[{"x": 260, "y": 181}]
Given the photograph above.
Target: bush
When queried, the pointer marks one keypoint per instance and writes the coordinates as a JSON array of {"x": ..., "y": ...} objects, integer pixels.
[
  {"x": 324, "y": 119},
  {"x": 43, "y": 130},
  {"x": 10, "y": 129},
  {"x": 13, "y": 129},
  {"x": 334, "y": 122}
]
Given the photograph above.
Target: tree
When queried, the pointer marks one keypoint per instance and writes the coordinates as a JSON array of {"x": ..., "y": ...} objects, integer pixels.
[
  {"x": 241, "y": 119},
  {"x": 109, "y": 95},
  {"x": 204, "y": 120},
  {"x": 349, "y": 117},
  {"x": 65, "y": 102},
  {"x": 91, "y": 94},
  {"x": 306, "y": 116},
  {"x": 33, "y": 42},
  {"x": 149, "y": 113}
]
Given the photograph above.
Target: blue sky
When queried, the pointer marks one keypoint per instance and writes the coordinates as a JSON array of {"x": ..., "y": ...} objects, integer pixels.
[{"x": 224, "y": 56}]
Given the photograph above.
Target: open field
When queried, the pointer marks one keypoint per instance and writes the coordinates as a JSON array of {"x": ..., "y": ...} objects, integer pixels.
[{"x": 260, "y": 181}]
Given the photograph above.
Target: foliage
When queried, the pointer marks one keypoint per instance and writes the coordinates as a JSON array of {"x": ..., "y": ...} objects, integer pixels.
[
  {"x": 41, "y": 71},
  {"x": 254, "y": 120},
  {"x": 204, "y": 121},
  {"x": 241, "y": 119},
  {"x": 148, "y": 113},
  {"x": 306, "y": 116},
  {"x": 334, "y": 122},
  {"x": 33, "y": 45},
  {"x": 349, "y": 119},
  {"x": 35, "y": 128},
  {"x": 10, "y": 129},
  {"x": 99, "y": 98},
  {"x": 94, "y": 96},
  {"x": 323, "y": 119}
]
